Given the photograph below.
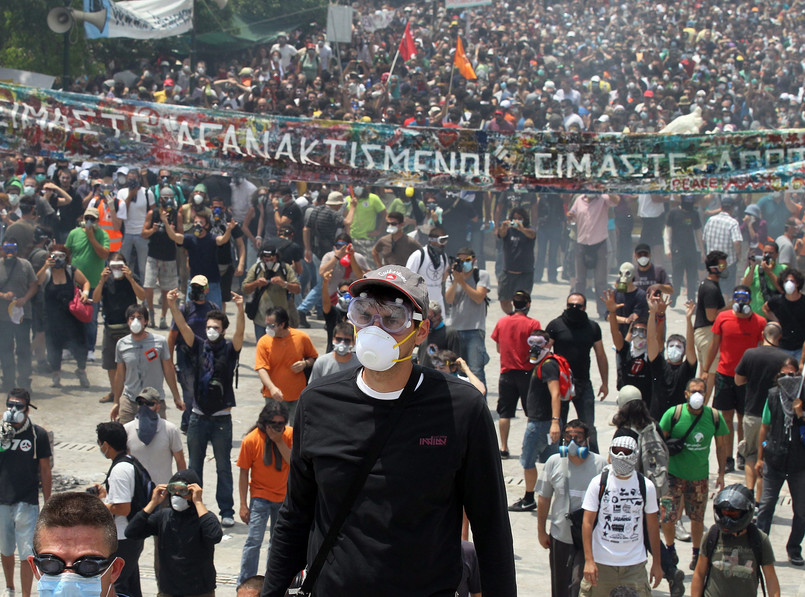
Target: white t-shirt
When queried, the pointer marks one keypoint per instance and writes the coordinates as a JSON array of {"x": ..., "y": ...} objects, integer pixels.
[
  {"x": 135, "y": 212},
  {"x": 618, "y": 536},
  {"x": 646, "y": 208},
  {"x": 121, "y": 491},
  {"x": 156, "y": 457},
  {"x": 241, "y": 199},
  {"x": 433, "y": 275}
]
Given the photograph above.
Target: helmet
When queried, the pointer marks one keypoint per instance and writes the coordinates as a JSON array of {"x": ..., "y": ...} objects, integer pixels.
[{"x": 734, "y": 507}]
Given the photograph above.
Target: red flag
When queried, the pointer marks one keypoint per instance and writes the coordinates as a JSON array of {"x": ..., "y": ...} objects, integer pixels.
[
  {"x": 407, "y": 48},
  {"x": 462, "y": 62}
]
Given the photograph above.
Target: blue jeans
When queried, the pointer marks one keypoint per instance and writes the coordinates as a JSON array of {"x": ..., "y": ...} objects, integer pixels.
[
  {"x": 584, "y": 405},
  {"x": 313, "y": 298},
  {"x": 535, "y": 444},
  {"x": 260, "y": 510},
  {"x": 213, "y": 296},
  {"x": 217, "y": 431},
  {"x": 186, "y": 377},
  {"x": 548, "y": 241},
  {"x": 474, "y": 352},
  {"x": 91, "y": 328}
]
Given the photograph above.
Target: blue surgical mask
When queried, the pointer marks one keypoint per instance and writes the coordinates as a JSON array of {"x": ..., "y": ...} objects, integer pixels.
[
  {"x": 70, "y": 584},
  {"x": 467, "y": 266}
]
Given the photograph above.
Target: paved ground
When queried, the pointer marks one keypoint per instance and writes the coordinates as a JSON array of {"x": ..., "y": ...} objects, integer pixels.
[{"x": 72, "y": 413}]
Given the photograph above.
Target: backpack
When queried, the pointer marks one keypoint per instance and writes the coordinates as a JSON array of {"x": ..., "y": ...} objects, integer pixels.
[
  {"x": 566, "y": 388},
  {"x": 653, "y": 461},
  {"x": 755, "y": 542},
  {"x": 143, "y": 485},
  {"x": 641, "y": 484}
]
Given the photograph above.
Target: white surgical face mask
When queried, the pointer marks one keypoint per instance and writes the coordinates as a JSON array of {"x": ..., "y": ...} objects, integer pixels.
[
  {"x": 117, "y": 274},
  {"x": 198, "y": 199},
  {"x": 179, "y": 503},
  {"x": 696, "y": 400},
  {"x": 271, "y": 332},
  {"x": 213, "y": 334},
  {"x": 675, "y": 353},
  {"x": 377, "y": 350},
  {"x": 643, "y": 261},
  {"x": 28, "y": 191},
  {"x": 121, "y": 180},
  {"x": 14, "y": 200},
  {"x": 136, "y": 326},
  {"x": 392, "y": 229},
  {"x": 790, "y": 287}
]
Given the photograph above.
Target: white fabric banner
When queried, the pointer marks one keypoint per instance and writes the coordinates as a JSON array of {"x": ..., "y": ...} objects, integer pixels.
[{"x": 137, "y": 19}]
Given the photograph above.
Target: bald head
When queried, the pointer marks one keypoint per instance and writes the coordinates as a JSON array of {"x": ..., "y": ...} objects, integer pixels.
[{"x": 772, "y": 333}]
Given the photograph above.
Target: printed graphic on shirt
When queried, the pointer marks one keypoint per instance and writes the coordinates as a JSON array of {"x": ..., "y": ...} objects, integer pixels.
[
  {"x": 620, "y": 518},
  {"x": 737, "y": 562}
]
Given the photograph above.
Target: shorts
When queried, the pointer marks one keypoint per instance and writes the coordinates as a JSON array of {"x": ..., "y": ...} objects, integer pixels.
[
  {"x": 111, "y": 334},
  {"x": 510, "y": 283},
  {"x": 702, "y": 337},
  {"x": 695, "y": 494},
  {"x": 17, "y": 523},
  {"x": 511, "y": 386},
  {"x": 729, "y": 396},
  {"x": 610, "y": 577},
  {"x": 535, "y": 441},
  {"x": 751, "y": 426},
  {"x": 166, "y": 272}
]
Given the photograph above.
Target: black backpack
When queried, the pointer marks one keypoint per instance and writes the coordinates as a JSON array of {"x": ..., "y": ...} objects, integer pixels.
[
  {"x": 755, "y": 542},
  {"x": 143, "y": 485}
]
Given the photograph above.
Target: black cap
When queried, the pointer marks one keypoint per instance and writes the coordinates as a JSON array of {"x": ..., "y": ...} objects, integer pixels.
[{"x": 642, "y": 248}]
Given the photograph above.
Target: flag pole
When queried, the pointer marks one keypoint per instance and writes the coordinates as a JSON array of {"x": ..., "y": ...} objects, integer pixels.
[{"x": 449, "y": 88}]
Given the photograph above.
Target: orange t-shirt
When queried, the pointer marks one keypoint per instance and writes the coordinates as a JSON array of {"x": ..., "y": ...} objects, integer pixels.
[
  {"x": 276, "y": 355},
  {"x": 264, "y": 481}
]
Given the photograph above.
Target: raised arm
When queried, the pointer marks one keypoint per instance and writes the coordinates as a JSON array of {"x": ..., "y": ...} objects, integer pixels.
[{"x": 181, "y": 324}]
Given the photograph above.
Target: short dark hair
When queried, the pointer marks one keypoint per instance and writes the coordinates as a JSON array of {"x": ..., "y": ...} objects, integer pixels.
[
  {"x": 22, "y": 394},
  {"x": 678, "y": 338},
  {"x": 219, "y": 316},
  {"x": 253, "y": 582},
  {"x": 280, "y": 316},
  {"x": 578, "y": 424},
  {"x": 137, "y": 309},
  {"x": 713, "y": 257},
  {"x": 519, "y": 211},
  {"x": 75, "y": 509},
  {"x": 742, "y": 288},
  {"x": 584, "y": 298},
  {"x": 771, "y": 243},
  {"x": 396, "y": 216},
  {"x": 344, "y": 328},
  {"x": 113, "y": 434},
  {"x": 343, "y": 237},
  {"x": 696, "y": 380},
  {"x": 466, "y": 251}
]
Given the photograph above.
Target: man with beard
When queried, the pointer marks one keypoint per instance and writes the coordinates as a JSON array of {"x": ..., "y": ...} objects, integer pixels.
[{"x": 574, "y": 335}]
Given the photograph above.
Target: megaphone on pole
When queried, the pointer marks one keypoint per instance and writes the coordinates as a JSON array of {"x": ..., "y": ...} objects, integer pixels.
[{"x": 61, "y": 19}]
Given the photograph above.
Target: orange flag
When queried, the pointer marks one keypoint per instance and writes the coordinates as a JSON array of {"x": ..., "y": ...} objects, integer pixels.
[{"x": 462, "y": 62}]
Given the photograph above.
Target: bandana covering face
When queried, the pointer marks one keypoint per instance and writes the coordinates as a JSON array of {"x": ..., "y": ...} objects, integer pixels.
[
  {"x": 147, "y": 426},
  {"x": 623, "y": 465}
]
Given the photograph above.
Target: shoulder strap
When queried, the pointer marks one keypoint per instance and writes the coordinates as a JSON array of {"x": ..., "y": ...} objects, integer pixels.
[
  {"x": 602, "y": 485},
  {"x": 676, "y": 416},
  {"x": 756, "y": 544},
  {"x": 716, "y": 419},
  {"x": 641, "y": 484},
  {"x": 376, "y": 447},
  {"x": 709, "y": 547},
  {"x": 692, "y": 425}
]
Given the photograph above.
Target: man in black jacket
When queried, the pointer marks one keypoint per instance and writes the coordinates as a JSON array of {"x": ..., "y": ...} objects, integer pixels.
[
  {"x": 186, "y": 535},
  {"x": 402, "y": 536}
]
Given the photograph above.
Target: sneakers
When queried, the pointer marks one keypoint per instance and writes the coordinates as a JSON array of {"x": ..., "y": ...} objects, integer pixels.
[
  {"x": 55, "y": 381},
  {"x": 163, "y": 324},
  {"x": 522, "y": 505},
  {"x": 796, "y": 560},
  {"x": 82, "y": 378},
  {"x": 504, "y": 454},
  {"x": 676, "y": 583},
  {"x": 740, "y": 462},
  {"x": 681, "y": 532},
  {"x": 730, "y": 466},
  {"x": 693, "y": 561},
  {"x": 9, "y": 592},
  {"x": 227, "y": 522},
  {"x": 91, "y": 356}
]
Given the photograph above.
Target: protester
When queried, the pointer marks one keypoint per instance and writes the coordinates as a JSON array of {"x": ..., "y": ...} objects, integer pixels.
[
  {"x": 341, "y": 357},
  {"x": 17, "y": 287}
]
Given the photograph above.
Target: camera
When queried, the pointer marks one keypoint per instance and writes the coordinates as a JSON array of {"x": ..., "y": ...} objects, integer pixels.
[
  {"x": 767, "y": 259},
  {"x": 93, "y": 490},
  {"x": 456, "y": 265}
]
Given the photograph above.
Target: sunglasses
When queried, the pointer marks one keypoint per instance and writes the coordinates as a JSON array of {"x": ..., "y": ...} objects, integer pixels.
[
  {"x": 148, "y": 403},
  {"x": 277, "y": 425},
  {"x": 15, "y": 406},
  {"x": 86, "y": 566}
]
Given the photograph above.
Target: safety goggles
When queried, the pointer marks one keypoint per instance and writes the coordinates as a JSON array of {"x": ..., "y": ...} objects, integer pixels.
[
  {"x": 20, "y": 406},
  {"x": 10, "y": 248},
  {"x": 441, "y": 240},
  {"x": 86, "y": 566},
  {"x": 340, "y": 244},
  {"x": 179, "y": 488},
  {"x": 393, "y": 317},
  {"x": 577, "y": 437},
  {"x": 741, "y": 296},
  {"x": 639, "y": 333},
  {"x": 621, "y": 450}
]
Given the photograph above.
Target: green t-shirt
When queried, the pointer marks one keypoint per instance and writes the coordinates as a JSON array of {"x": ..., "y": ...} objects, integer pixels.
[
  {"x": 84, "y": 256},
  {"x": 366, "y": 216},
  {"x": 766, "y": 416},
  {"x": 734, "y": 570},
  {"x": 692, "y": 463},
  {"x": 757, "y": 296}
]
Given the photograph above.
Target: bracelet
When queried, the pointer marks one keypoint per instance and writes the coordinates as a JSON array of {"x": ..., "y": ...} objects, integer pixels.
[{"x": 555, "y": 419}]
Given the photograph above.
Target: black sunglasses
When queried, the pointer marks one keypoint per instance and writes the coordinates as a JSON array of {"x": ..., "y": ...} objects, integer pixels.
[{"x": 86, "y": 566}]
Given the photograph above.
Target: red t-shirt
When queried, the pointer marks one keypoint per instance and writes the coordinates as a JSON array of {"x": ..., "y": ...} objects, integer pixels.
[
  {"x": 511, "y": 334},
  {"x": 737, "y": 336}
]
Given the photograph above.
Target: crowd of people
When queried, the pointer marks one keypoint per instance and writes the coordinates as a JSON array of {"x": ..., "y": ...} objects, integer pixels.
[
  {"x": 573, "y": 66},
  {"x": 71, "y": 250}
]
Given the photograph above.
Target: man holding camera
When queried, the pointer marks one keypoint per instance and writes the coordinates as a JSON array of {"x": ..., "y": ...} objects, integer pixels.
[
  {"x": 761, "y": 276},
  {"x": 161, "y": 266}
]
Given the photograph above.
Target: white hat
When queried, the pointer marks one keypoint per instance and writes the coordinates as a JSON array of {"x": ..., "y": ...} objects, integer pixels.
[{"x": 122, "y": 170}]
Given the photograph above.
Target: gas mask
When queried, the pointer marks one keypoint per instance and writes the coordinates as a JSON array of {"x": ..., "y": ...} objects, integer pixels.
[
  {"x": 740, "y": 302},
  {"x": 537, "y": 348},
  {"x": 574, "y": 449},
  {"x": 342, "y": 349},
  {"x": 14, "y": 416},
  {"x": 626, "y": 275}
]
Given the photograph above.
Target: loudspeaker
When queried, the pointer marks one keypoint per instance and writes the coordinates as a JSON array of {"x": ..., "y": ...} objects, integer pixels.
[{"x": 61, "y": 19}]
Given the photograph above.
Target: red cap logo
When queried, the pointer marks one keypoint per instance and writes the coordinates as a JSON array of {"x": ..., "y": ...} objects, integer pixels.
[{"x": 391, "y": 276}]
